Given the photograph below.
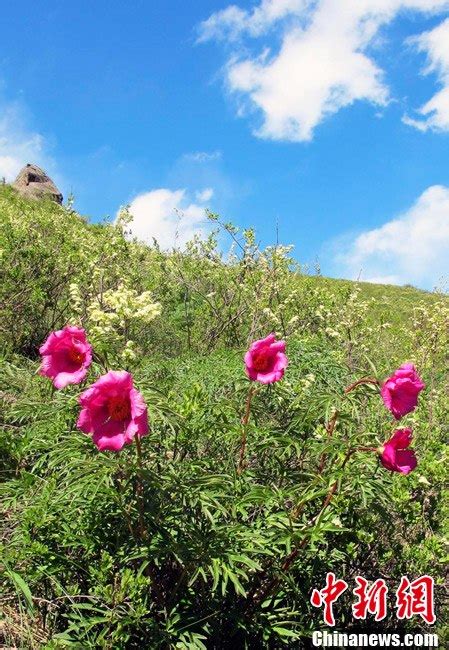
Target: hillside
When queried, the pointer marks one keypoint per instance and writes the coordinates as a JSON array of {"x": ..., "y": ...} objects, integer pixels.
[
  {"x": 55, "y": 246},
  {"x": 214, "y": 528}
]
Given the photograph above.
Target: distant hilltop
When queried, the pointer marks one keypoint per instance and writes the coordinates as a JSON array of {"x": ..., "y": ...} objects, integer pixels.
[{"x": 33, "y": 183}]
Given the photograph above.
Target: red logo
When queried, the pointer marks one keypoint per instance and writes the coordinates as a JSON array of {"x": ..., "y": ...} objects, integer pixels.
[
  {"x": 327, "y": 596},
  {"x": 412, "y": 598},
  {"x": 370, "y": 600},
  {"x": 416, "y": 599}
]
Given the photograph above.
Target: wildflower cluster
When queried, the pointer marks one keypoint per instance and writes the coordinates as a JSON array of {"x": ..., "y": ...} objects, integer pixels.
[
  {"x": 400, "y": 395},
  {"x": 114, "y": 412},
  {"x": 113, "y": 317},
  {"x": 431, "y": 330}
]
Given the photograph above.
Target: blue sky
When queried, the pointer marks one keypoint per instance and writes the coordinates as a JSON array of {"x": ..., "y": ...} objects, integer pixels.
[{"x": 327, "y": 117}]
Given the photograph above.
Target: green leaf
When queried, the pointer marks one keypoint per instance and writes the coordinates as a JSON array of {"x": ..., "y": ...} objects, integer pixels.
[{"x": 22, "y": 588}]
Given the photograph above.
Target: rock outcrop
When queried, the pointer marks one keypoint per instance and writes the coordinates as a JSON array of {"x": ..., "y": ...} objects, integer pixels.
[{"x": 33, "y": 183}]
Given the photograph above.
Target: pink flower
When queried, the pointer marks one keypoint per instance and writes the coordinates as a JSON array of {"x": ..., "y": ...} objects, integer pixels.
[
  {"x": 400, "y": 391},
  {"x": 113, "y": 411},
  {"x": 66, "y": 356},
  {"x": 265, "y": 360},
  {"x": 394, "y": 454}
]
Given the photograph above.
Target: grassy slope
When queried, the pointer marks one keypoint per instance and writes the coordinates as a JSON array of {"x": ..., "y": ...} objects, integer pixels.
[
  {"x": 392, "y": 303},
  {"x": 200, "y": 388}
]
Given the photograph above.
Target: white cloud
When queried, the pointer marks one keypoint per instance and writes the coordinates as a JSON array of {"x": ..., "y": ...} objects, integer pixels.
[
  {"x": 203, "y": 156},
  {"x": 321, "y": 66},
  {"x": 413, "y": 248},
  {"x": 205, "y": 195},
  {"x": 232, "y": 22},
  {"x": 435, "y": 113},
  {"x": 20, "y": 145},
  {"x": 167, "y": 216}
]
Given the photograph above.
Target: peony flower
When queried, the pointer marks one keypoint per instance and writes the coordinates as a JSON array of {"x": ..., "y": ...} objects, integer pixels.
[
  {"x": 265, "y": 360},
  {"x": 113, "y": 411},
  {"x": 400, "y": 391},
  {"x": 394, "y": 454},
  {"x": 66, "y": 356}
]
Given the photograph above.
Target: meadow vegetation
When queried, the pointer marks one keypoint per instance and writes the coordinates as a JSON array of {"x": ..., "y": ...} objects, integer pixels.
[{"x": 174, "y": 547}]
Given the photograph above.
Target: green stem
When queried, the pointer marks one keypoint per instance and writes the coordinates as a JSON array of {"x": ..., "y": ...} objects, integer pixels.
[
  {"x": 331, "y": 424},
  {"x": 259, "y": 596},
  {"x": 139, "y": 488},
  {"x": 359, "y": 382},
  {"x": 123, "y": 506},
  {"x": 241, "y": 464}
]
